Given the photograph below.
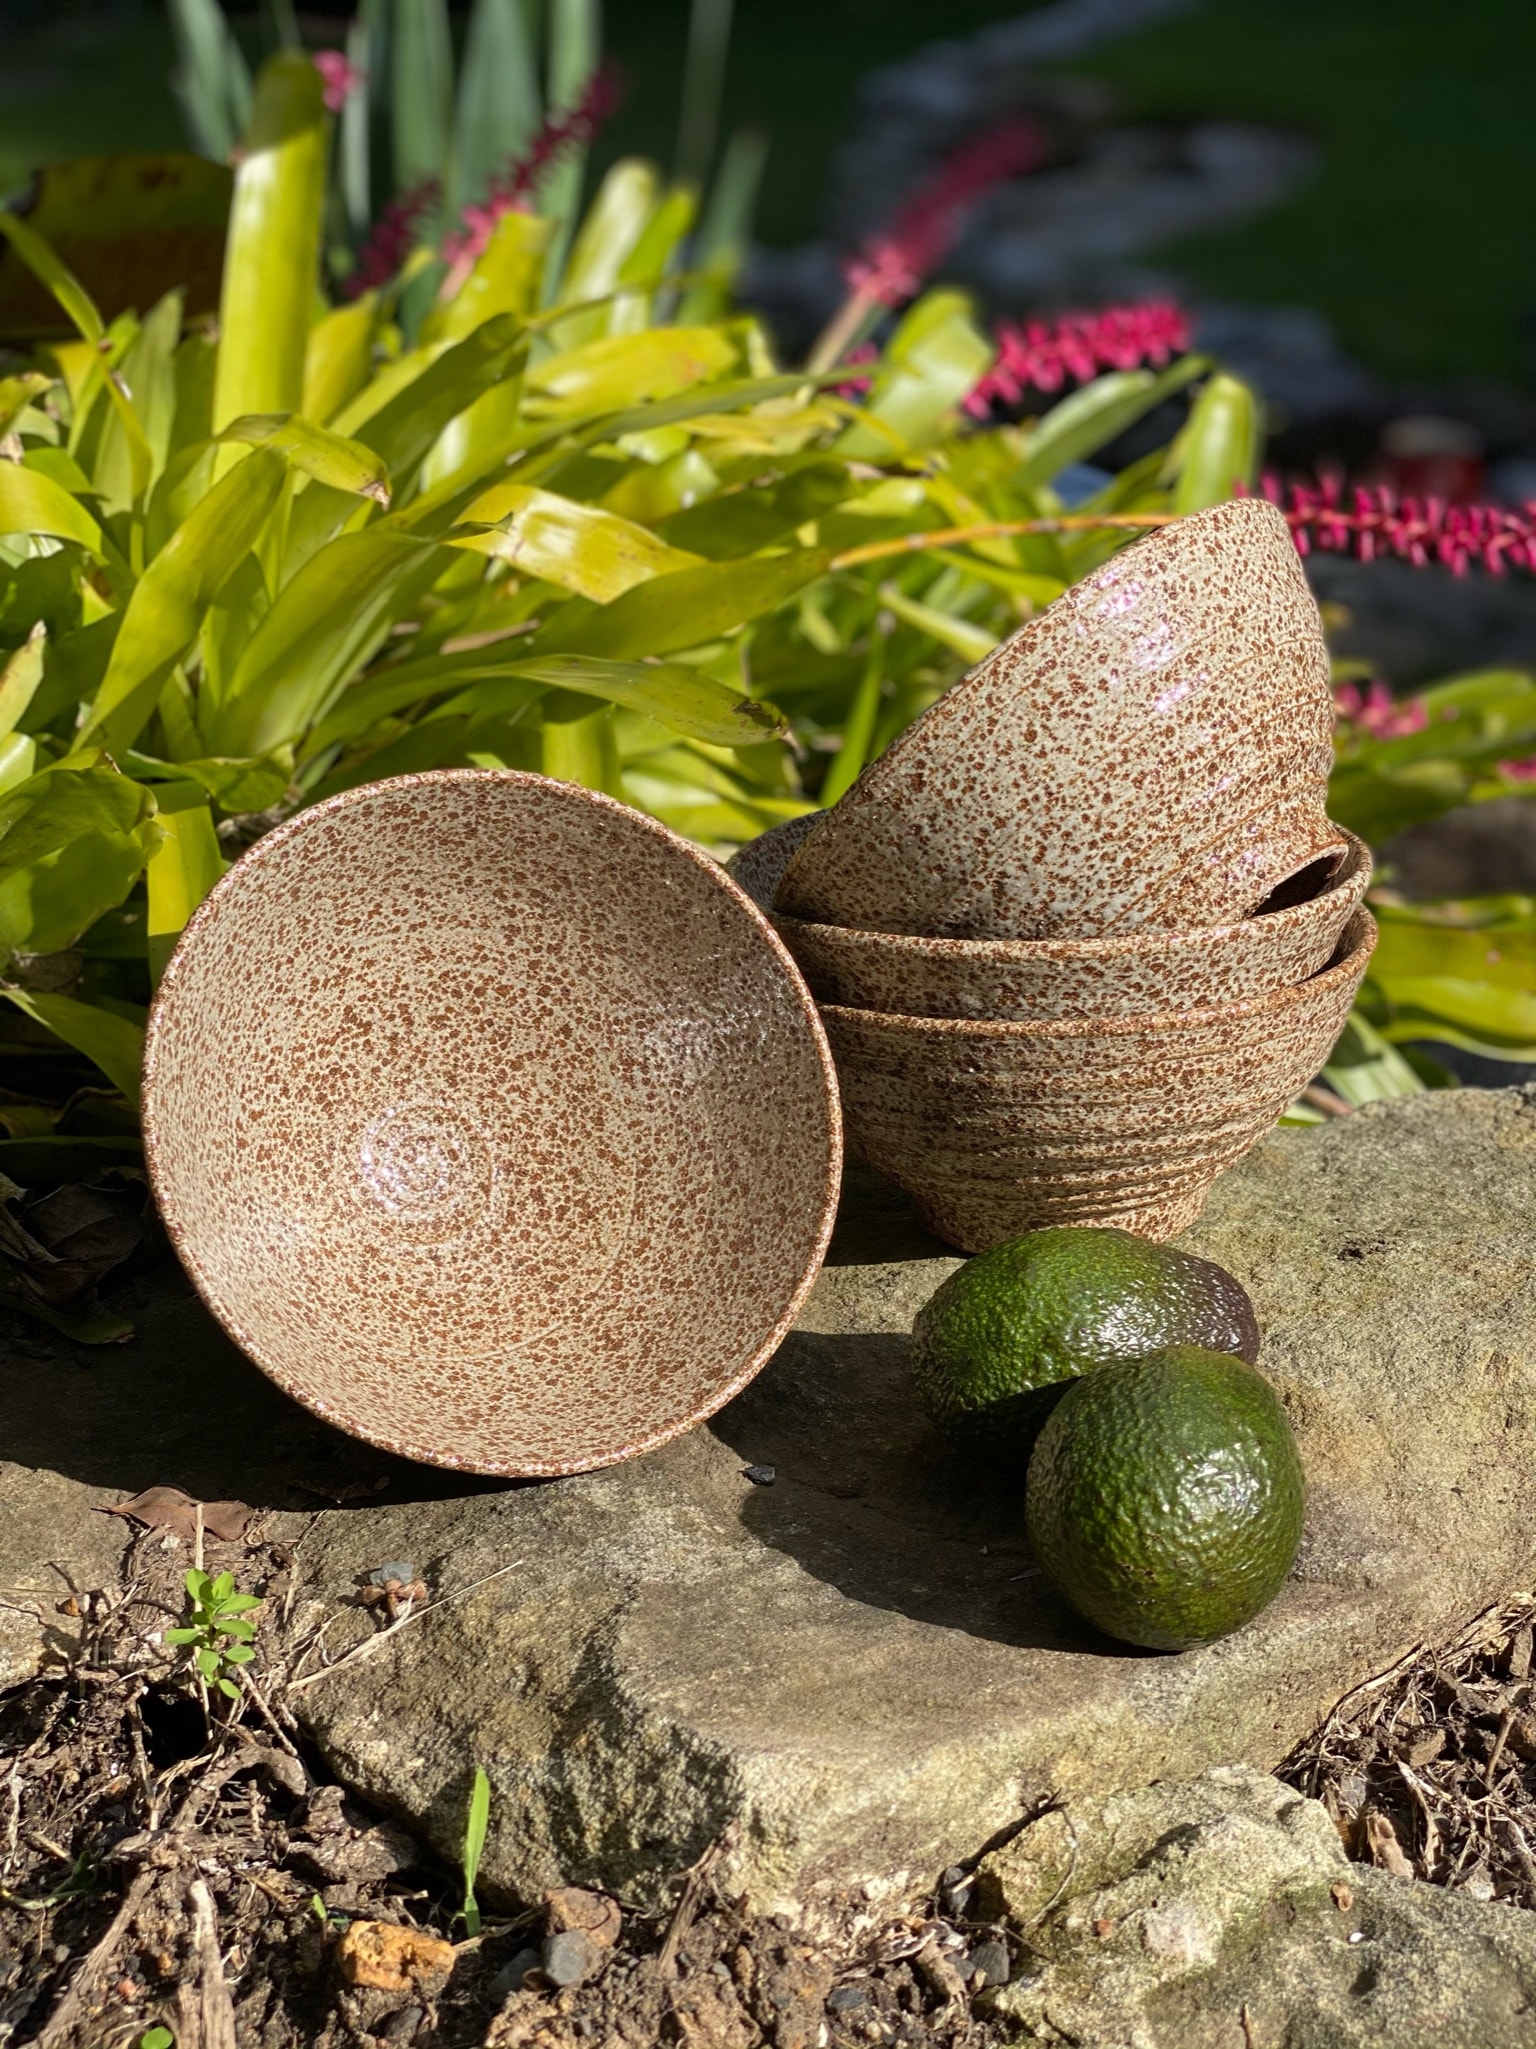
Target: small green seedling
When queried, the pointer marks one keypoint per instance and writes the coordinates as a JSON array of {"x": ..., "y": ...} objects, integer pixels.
[
  {"x": 157, "y": 2038},
  {"x": 217, "y": 1632},
  {"x": 475, "y": 1827}
]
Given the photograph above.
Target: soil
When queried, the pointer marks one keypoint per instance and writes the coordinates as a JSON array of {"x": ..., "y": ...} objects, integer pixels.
[{"x": 172, "y": 1860}]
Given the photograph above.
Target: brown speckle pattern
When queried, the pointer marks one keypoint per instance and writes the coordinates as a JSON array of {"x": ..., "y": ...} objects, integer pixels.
[
  {"x": 1151, "y": 753},
  {"x": 493, "y": 1121},
  {"x": 1130, "y": 975},
  {"x": 997, "y": 1128}
]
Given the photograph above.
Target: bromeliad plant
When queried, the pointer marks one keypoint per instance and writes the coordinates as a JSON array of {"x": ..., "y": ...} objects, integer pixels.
[{"x": 566, "y": 524}]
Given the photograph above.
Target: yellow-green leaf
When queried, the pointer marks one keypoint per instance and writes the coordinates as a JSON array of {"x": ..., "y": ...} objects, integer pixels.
[
  {"x": 173, "y": 596},
  {"x": 338, "y": 358},
  {"x": 328, "y": 458},
  {"x": 1219, "y": 447},
  {"x": 580, "y": 547},
  {"x": 621, "y": 370},
  {"x": 183, "y": 868},
  {"x": 20, "y": 677},
  {"x": 685, "y": 609},
  {"x": 32, "y": 503},
  {"x": 114, "y": 1043},
  {"x": 271, "y": 260},
  {"x": 678, "y": 697},
  {"x": 73, "y": 841}
]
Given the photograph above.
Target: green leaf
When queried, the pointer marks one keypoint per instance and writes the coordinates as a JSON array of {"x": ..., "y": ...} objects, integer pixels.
[
  {"x": 239, "y": 784},
  {"x": 421, "y": 88},
  {"x": 742, "y": 521},
  {"x": 212, "y": 81},
  {"x": 498, "y": 109},
  {"x": 136, "y": 440},
  {"x": 1364, "y": 1068},
  {"x": 183, "y": 868},
  {"x": 575, "y": 50},
  {"x": 32, "y": 503},
  {"x": 403, "y": 430},
  {"x": 970, "y": 642},
  {"x": 622, "y": 370},
  {"x": 73, "y": 841},
  {"x": 271, "y": 261},
  {"x": 504, "y": 279},
  {"x": 116, "y": 1045},
  {"x": 328, "y": 458},
  {"x": 57, "y": 277},
  {"x": 325, "y": 624},
  {"x": 614, "y": 224},
  {"x": 168, "y": 605},
  {"x": 685, "y": 609},
  {"x": 1082, "y": 423},
  {"x": 18, "y": 392},
  {"x": 677, "y": 697},
  {"x": 1220, "y": 445},
  {"x": 934, "y": 358},
  {"x": 20, "y": 677},
  {"x": 580, "y": 547},
  {"x": 18, "y": 760},
  {"x": 721, "y": 243},
  {"x": 338, "y": 358},
  {"x": 476, "y": 1826}
]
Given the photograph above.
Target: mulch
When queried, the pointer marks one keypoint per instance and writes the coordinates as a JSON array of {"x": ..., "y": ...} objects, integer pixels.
[
  {"x": 1429, "y": 1770},
  {"x": 171, "y": 1861}
]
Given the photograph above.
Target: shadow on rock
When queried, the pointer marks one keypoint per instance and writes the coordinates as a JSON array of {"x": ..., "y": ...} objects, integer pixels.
[{"x": 866, "y": 1497}]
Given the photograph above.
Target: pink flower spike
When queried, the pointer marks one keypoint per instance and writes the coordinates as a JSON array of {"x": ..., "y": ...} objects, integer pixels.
[
  {"x": 339, "y": 77},
  {"x": 1043, "y": 355}
]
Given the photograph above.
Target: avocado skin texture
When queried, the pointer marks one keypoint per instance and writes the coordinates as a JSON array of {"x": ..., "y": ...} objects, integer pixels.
[
  {"x": 1165, "y": 1497},
  {"x": 997, "y": 1343}
]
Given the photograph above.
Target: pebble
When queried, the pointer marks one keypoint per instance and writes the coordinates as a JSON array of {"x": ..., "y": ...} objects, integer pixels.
[
  {"x": 509, "y": 1978},
  {"x": 569, "y": 1957},
  {"x": 760, "y": 1476},
  {"x": 847, "y": 1998},
  {"x": 990, "y": 1961},
  {"x": 402, "y": 2026}
]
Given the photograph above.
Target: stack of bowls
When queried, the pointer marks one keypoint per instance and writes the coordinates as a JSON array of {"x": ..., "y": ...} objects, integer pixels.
[{"x": 1083, "y": 931}]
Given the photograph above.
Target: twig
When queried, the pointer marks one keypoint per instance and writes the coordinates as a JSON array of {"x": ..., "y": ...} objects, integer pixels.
[
  {"x": 371, "y": 1644},
  {"x": 689, "y": 1899},
  {"x": 214, "y": 2016},
  {"x": 71, "y": 2005}
]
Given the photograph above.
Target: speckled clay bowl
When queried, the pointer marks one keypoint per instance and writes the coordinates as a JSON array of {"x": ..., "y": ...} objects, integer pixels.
[
  {"x": 1130, "y": 975},
  {"x": 995, "y": 1129},
  {"x": 1151, "y": 753},
  {"x": 492, "y": 1121}
]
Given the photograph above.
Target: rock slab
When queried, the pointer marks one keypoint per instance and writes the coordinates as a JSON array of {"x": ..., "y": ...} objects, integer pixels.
[
  {"x": 853, "y": 1674},
  {"x": 1224, "y": 1911}
]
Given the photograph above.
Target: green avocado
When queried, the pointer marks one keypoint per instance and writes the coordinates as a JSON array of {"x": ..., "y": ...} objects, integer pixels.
[
  {"x": 1165, "y": 1497},
  {"x": 996, "y": 1344}
]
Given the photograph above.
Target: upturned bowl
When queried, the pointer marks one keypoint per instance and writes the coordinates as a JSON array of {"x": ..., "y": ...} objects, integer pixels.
[
  {"x": 998, "y": 1128},
  {"x": 492, "y": 1121},
  {"x": 1133, "y": 974},
  {"x": 1150, "y": 754}
]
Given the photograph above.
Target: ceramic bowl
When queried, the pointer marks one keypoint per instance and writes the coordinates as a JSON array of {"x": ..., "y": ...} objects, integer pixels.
[
  {"x": 994, "y": 1129},
  {"x": 492, "y": 1121},
  {"x": 1151, "y": 753},
  {"x": 1131, "y": 975},
  {"x": 758, "y": 865}
]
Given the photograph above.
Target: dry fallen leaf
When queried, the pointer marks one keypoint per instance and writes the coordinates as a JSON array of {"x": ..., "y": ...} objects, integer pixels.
[
  {"x": 392, "y": 1959},
  {"x": 1383, "y": 1847},
  {"x": 168, "y": 1508}
]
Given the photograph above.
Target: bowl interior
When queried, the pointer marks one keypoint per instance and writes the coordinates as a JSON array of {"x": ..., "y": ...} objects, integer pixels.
[{"x": 492, "y": 1121}]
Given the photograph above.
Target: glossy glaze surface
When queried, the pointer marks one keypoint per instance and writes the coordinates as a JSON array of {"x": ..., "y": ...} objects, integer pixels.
[
  {"x": 1132, "y": 974},
  {"x": 492, "y": 1121},
  {"x": 1151, "y": 753},
  {"x": 998, "y": 1128}
]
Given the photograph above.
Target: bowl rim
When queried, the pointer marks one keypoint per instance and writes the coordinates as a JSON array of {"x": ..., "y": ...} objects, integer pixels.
[
  {"x": 1358, "y": 861},
  {"x": 1359, "y": 934},
  {"x": 176, "y": 1227}
]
